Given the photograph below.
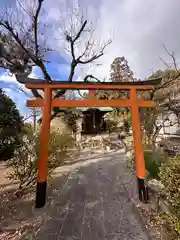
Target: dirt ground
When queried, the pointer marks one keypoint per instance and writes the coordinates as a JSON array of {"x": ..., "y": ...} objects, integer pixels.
[{"x": 17, "y": 215}]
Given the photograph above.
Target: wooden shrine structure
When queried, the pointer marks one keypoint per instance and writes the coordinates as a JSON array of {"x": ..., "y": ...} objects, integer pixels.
[{"x": 132, "y": 102}]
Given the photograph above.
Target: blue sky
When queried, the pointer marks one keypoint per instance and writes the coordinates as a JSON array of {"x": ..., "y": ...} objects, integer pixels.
[
  {"x": 138, "y": 30},
  {"x": 57, "y": 70}
]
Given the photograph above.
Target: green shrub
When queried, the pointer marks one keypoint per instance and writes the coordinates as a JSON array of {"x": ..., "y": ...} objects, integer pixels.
[
  {"x": 10, "y": 127},
  {"x": 153, "y": 163},
  {"x": 170, "y": 176},
  {"x": 111, "y": 125},
  {"x": 24, "y": 161}
]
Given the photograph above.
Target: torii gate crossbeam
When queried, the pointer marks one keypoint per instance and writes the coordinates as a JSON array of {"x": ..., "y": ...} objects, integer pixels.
[{"x": 133, "y": 102}]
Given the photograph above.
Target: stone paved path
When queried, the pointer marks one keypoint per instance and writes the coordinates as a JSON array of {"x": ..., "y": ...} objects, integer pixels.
[{"x": 94, "y": 204}]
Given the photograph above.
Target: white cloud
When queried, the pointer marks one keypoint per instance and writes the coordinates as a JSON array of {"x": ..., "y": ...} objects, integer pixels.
[
  {"x": 13, "y": 89},
  {"x": 139, "y": 30},
  {"x": 10, "y": 80},
  {"x": 36, "y": 72},
  {"x": 7, "y": 89},
  {"x": 6, "y": 77}
]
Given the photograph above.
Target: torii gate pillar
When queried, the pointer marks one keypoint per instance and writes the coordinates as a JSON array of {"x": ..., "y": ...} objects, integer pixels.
[
  {"x": 43, "y": 151},
  {"x": 138, "y": 147}
]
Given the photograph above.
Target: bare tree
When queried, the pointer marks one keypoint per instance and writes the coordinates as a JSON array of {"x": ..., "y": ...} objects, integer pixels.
[
  {"x": 22, "y": 45},
  {"x": 172, "y": 102},
  {"x": 167, "y": 97},
  {"x": 35, "y": 113}
]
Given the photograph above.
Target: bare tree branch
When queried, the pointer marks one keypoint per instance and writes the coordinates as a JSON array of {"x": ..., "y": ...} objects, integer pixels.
[
  {"x": 165, "y": 84},
  {"x": 22, "y": 90},
  {"x": 25, "y": 10},
  {"x": 72, "y": 43},
  {"x": 96, "y": 56},
  {"x": 60, "y": 93},
  {"x": 35, "y": 111},
  {"x": 36, "y": 27},
  {"x": 27, "y": 117},
  {"x": 7, "y": 26},
  {"x": 87, "y": 49},
  {"x": 35, "y": 93},
  {"x": 173, "y": 58},
  {"x": 32, "y": 50},
  {"x": 79, "y": 92},
  {"x": 91, "y": 76},
  {"x": 80, "y": 31},
  {"x": 37, "y": 61},
  {"x": 166, "y": 64}
]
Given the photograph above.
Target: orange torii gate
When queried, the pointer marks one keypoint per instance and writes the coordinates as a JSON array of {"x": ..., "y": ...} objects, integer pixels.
[{"x": 133, "y": 102}]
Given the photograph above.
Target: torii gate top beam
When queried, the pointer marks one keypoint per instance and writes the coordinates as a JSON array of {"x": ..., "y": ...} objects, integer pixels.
[{"x": 139, "y": 85}]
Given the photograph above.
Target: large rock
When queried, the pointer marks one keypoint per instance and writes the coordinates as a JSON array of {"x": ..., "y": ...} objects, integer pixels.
[
  {"x": 160, "y": 203},
  {"x": 155, "y": 185}
]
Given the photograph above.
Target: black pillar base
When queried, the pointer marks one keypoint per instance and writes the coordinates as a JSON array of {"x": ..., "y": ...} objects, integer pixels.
[
  {"x": 41, "y": 194},
  {"x": 143, "y": 191}
]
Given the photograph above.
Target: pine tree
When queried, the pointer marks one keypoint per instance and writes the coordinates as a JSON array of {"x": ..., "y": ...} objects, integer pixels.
[{"x": 120, "y": 70}]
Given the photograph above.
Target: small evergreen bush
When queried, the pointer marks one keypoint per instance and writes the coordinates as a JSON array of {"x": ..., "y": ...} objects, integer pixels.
[
  {"x": 153, "y": 163},
  {"x": 170, "y": 176}
]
